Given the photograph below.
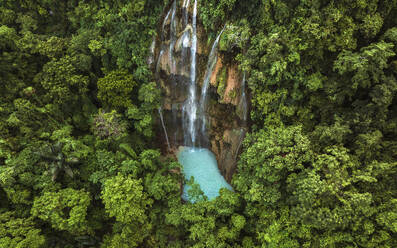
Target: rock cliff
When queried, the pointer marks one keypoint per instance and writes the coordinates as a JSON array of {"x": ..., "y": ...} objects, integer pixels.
[{"x": 226, "y": 110}]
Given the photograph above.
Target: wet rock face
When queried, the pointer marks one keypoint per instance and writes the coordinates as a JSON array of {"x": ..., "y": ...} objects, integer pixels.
[{"x": 225, "y": 126}]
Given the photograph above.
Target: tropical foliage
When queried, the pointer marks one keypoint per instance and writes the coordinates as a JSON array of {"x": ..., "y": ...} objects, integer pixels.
[{"x": 80, "y": 165}]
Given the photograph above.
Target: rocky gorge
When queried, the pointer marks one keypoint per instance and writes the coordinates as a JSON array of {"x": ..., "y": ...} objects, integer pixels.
[{"x": 220, "y": 88}]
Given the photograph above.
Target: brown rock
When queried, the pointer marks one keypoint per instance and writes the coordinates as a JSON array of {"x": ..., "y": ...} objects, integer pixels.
[
  {"x": 217, "y": 69},
  {"x": 232, "y": 85},
  {"x": 201, "y": 37},
  {"x": 229, "y": 149},
  {"x": 167, "y": 105},
  {"x": 164, "y": 64}
]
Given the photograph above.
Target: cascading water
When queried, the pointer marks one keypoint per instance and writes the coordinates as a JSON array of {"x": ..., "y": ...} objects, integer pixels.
[
  {"x": 196, "y": 161},
  {"x": 150, "y": 59},
  {"x": 174, "y": 109},
  {"x": 172, "y": 40},
  {"x": 186, "y": 36},
  {"x": 177, "y": 58},
  {"x": 190, "y": 106},
  {"x": 243, "y": 106},
  {"x": 158, "y": 63},
  {"x": 212, "y": 58},
  {"x": 243, "y": 102},
  {"x": 185, "y": 8},
  {"x": 163, "y": 48},
  {"x": 165, "y": 129},
  {"x": 164, "y": 22}
]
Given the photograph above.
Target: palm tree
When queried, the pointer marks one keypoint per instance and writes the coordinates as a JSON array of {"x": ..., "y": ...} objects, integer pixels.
[{"x": 58, "y": 160}]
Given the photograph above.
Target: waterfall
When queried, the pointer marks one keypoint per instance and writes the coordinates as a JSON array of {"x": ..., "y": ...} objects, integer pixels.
[
  {"x": 190, "y": 105},
  {"x": 212, "y": 58},
  {"x": 185, "y": 8},
  {"x": 243, "y": 106},
  {"x": 172, "y": 40},
  {"x": 164, "y": 22},
  {"x": 243, "y": 101},
  {"x": 177, "y": 60},
  {"x": 158, "y": 62},
  {"x": 180, "y": 62},
  {"x": 172, "y": 34},
  {"x": 188, "y": 42},
  {"x": 150, "y": 59},
  {"x": 174, "y": 109},
  {"x": 165, "y": 130},
  {"x": 240, "y": 142},
  {"x": 186, "y": 35}
]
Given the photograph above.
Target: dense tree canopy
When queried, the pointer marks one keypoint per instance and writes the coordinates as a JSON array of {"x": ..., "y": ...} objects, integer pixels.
[{"x": 80, "y": 165}]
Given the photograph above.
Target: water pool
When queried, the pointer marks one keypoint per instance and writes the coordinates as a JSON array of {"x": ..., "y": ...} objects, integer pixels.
[{"x": 201, "y": 164}]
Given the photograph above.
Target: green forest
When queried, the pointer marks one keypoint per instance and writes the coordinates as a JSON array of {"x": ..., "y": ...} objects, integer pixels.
[{"x": 82, "y": 164}]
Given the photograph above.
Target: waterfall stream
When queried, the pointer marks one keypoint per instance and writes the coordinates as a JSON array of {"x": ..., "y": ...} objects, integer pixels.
[
  {"x": 158, "y": 62},
  {"x": 212, "y": 58},
  {"x": 164, "y": 22},
  {"x": 189, "y": 108},
  {"x": 185, "y": 8},
  {"x": 243, "y": 101},
  {"x": 150, "y": 59},
  {"x": 243, "y": 106},
  {"x": 172, "y": 40},
  {"x": 165, "y": 129}
]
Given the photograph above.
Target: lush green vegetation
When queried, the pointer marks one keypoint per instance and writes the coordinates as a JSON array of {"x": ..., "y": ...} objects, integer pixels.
[{"x": 80, "y": 165}]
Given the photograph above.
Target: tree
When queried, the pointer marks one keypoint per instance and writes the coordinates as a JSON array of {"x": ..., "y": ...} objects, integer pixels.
[
  {"x": 125, "y": 200},
  {"x": 65, "y": 210},
  {"x": 19, "y": 232},
  {"x": 115, "y": 88}
]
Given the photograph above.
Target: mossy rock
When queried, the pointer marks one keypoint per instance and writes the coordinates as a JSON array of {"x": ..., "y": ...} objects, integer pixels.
[{"x": 221, "y": 82}]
